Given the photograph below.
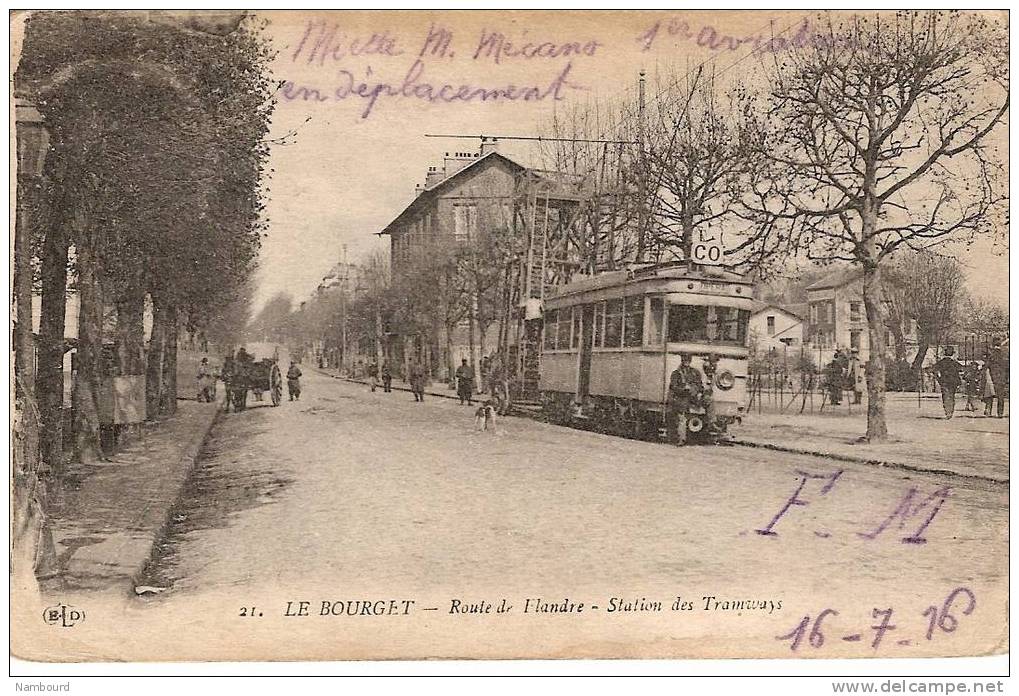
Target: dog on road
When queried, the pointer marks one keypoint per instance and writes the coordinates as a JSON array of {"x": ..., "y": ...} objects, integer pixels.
[{"x": 484, "y": 417}]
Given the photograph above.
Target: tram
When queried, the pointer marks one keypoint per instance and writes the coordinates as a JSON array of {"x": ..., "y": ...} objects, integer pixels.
[{"x": 612, "y": 341}]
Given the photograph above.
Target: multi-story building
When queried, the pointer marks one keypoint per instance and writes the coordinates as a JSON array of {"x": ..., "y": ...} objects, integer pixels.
[
  {"x": 472, "y": 195},
  {"x": 836, "y": 317}
]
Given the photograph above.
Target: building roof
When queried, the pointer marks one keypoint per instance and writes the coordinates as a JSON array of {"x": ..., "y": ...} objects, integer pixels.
[
  {"x": 800, "y": 310},
  {"x": 430, "y": 193},
  {"x": 760, "y": 306},
  {"x": 836, "y": 279}
]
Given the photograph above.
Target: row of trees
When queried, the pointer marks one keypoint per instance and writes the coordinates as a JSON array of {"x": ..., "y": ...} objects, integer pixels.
[
  {"x": 151, "y": 195},
  {"x": 450, "y": 285},
  {"x": 875, "y": 138}
]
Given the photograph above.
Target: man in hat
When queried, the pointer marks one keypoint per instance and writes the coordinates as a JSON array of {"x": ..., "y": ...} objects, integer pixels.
[
  {"x": 856, "y": 379},
  {"x": 685, "y": 387},
  {"x": 206, "y": 382},
  {"x": 948, "y": 372},
  {"x": 834, "y": 379},
  {"x": 417, "y": 380},
  {"x": 997, "y": 365},
  {"x": 373, "y": 374},
  {"x": 465, "y": 382},
  {"x": 971, "y": 383}
]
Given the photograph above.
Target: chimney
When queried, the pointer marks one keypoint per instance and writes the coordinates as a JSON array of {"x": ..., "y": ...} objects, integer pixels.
[
  {"x": 418, "y": 188},
  {"x": 489, "y": 145},
  {"x": 433, "y": 177},
  {"x": 455, "y": 162}
]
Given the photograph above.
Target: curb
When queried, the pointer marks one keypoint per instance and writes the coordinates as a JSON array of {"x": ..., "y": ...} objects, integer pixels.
[
  {"x": 781, "y": 448},
  {"x": 872, "y": 462},
  {"x": 393, "y": 388},
  {"x": 190, "y": 456}
]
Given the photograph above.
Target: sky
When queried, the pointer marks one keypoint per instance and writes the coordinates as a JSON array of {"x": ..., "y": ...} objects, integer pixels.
[{"x": 348, "y": 164}]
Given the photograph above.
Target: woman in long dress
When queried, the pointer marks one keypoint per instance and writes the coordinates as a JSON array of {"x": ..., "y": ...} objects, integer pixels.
[{"x": 987, "y": 390}]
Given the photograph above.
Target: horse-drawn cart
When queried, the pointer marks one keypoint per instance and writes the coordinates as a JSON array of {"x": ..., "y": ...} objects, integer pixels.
[{"x": 257, "y": 377}]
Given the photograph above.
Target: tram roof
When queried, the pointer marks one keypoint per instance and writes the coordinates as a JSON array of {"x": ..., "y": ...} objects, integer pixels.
[{"x": 669, "y": 271}]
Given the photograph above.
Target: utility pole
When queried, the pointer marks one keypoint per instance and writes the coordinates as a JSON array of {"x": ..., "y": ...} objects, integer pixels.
[{"x": 642, "y": 212}]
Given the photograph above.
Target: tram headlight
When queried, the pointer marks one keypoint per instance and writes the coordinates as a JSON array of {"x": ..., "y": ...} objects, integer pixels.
[{"x": 725, "y": 380}]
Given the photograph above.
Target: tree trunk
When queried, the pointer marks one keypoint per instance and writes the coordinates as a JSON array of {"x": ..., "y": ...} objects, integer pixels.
[
  {"x": 49, "y": 378},
  {"x": 450, "y": 366},
  {"x": 921, "y": 353},
  {"x": 379, "y": 357},
  {"x": 27, "y": 510},
  {"x": 154, "y": 359},
  {"x": 24, "y": 355},
  {"x": 472, "y": 332},
  {"x": 131, "y": 333},
  {"x": 877, "y": 427},
  {"x": 168, "y": 394},
  {"x": 85, "y": 397}
]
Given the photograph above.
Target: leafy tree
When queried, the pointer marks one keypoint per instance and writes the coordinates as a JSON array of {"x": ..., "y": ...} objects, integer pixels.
[
  {"x": 158, "y": 131},
  {"x": 273, "y": 322}
]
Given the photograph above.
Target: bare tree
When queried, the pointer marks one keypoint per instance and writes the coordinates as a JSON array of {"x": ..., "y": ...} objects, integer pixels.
[
  {"x": 592, "y": 153},
  {"x": 697, "y": 153},
  {"x": 928, "y": 289},
  {"x": 881, "y": 110},
  {"x": 984, "y": 318}
]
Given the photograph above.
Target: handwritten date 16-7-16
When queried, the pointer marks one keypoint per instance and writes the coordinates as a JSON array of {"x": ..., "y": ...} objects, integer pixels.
[{"x": 817, "y": 631}]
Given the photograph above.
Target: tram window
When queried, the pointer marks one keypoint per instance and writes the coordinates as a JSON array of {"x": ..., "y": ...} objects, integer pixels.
[
  {"x": 708, "y": 324},
  {"x": 731, "y": 324},
  {"x": 551, "y": 323},
  {"x": 633, "y": 329},
  {"x": 599, "y": 324},
  {"x": 565, "y": 318},
  {"x": 613, "y": 323},
  {"x": 577, "y": 314},
  {"x": 655, "y": 324},
  {"x": 687, "y": 323}
]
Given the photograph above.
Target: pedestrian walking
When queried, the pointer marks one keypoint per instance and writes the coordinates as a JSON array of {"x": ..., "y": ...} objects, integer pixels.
[
  {"x": 465, "y": 383},
  {"x": 387, "y": 377},
  {"x": 417, "y": 380},
  {"x": 987, "y": 390},
  {"x": 206, "y": 382},
  {"x": 997, "y": 366},
  {"x": 486, "y": 370},
  {"x": 857, "y": 379},
  {"x": 373, "y": 374},
  {"x": 294, "y": 382},
  {"x": 228, "y": 374},
  {"x": 971, "y": 383},
  {"x": 948, "y": 372},
  {"x": 685, "y": 388},
  {"x": 834, "y": 379}
]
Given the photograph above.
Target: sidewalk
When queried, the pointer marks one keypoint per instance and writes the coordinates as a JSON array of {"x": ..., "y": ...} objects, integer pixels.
[
  {"x": 920, "y": 438},
  {"x": 106, "y": 519}
]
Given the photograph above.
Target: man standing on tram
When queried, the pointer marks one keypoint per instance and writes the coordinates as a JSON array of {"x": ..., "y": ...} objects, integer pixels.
[{"x": 685, "y": 388}]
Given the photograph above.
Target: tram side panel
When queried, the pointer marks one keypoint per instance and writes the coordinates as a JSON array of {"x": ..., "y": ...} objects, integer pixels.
[{"x": 558, "y": 372}]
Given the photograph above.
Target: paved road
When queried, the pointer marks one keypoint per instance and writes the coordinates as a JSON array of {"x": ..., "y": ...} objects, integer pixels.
[{"x": 349, "y": 493}]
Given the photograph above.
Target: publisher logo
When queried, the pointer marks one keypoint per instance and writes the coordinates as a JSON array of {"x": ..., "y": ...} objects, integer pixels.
[{"x": 63, "y": 615}]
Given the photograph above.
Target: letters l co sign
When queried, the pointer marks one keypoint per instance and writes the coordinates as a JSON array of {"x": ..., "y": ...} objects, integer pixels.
[{"x": 707, "y": 248}]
